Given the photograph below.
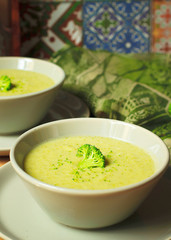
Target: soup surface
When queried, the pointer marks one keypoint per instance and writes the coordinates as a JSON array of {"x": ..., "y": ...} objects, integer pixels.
[
  {"x": 23, "y": 82},
  {"x": 55, "y": 162}
]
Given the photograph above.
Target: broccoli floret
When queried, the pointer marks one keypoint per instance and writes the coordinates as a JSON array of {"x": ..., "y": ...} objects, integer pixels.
[
  {"x": 92, "y": 157},
  {"x": 5, "y": 83}
]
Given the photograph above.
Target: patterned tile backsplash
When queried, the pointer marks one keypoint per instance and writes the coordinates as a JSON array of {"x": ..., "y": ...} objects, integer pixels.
[
  {"x": 47, "y": 26},
  {"x": 117, "y": 26},
  {"x": 161, "y": 26},
  {"x": 123, "y": 26}
]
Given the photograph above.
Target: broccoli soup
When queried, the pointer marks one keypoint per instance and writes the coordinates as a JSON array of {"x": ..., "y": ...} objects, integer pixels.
[
  {"x": 88, "y": 163},
  {"x": 17, "y": 82}
]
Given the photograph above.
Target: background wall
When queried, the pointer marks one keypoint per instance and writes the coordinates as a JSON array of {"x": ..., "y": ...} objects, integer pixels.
[
  {"x": 124, "y": 26},
  {"x": 5, "y": 27}
]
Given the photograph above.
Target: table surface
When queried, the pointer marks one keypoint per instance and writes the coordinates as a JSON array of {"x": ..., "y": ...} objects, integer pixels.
[{"x": 3, "y": 160}]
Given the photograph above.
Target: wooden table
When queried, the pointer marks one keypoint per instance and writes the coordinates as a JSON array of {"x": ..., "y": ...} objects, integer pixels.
[{"x": 3, "y": 160}]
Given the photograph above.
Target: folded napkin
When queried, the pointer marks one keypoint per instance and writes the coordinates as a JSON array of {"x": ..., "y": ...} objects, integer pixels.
[{"x": 134, "y": 88}]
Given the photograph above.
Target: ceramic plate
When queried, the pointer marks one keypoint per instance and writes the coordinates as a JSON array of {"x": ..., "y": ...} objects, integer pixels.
[
  {"x": 22, "y": 218},
  {"x": 66, "y": 105}
]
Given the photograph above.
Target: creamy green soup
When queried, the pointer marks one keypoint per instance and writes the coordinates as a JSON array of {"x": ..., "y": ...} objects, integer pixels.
[
  {"x": 55, "y": 162},
  {"x": 23, "y": 82}
]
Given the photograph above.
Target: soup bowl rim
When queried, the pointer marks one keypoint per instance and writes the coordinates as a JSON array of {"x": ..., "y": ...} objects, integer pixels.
[
  {"x": 71, "y": 191},
  {"x": 56, "y": 84}
]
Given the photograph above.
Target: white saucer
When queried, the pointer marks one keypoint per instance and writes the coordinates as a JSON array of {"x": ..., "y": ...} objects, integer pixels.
[
  {"x": 22, "y": 219},
  {"x": 66, "y": 105}
]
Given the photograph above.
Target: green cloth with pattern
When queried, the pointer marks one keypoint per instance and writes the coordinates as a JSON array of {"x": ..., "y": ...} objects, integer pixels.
[{"x": 134, "y": 88}]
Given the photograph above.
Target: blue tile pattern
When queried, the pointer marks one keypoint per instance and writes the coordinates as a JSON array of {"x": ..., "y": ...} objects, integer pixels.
[{"x": 121, "y": 26}]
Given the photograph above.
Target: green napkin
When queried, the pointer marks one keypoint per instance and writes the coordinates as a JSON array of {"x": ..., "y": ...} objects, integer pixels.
[{"x": 134, "y": 88}]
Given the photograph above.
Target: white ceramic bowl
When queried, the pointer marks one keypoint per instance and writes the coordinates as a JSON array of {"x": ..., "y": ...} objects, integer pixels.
[
  {"x": 90, "y": 208},
  {"x": 21, "y": 112}
]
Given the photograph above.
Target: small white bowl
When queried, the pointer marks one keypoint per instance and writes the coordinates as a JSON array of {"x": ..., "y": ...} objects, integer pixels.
[
  {"x": 90, "y": 208},
  {"x": 21, "y": 112}
]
